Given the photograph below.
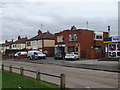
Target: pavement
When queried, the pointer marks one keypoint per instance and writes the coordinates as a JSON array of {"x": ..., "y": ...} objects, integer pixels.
[
  {"x": 94, "y": 64},
  {"x": 75, "y": 77}
]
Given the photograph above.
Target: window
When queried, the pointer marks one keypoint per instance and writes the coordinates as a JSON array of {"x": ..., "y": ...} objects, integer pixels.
[
  {"x": 73, "y": 37},
  {"x": 98, "y": 35},
  {"x": 60, "y": 39},
  {"x": 14, "y": 46},
  {"x": 28, "y": 43}
]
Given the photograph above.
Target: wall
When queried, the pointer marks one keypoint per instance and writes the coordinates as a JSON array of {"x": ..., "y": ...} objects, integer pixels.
[{"x": 49, "y": 43}]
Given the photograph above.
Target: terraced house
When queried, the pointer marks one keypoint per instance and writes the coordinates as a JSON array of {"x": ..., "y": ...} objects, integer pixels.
[
  {"x": 87, "y": 43},
  {"x": 7, "y": 45},
  {"x": 42, "y": 41},
  {"x": 19, "y": 44}
]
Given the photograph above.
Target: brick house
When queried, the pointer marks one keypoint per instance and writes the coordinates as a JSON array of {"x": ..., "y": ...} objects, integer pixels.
[
  {"x": 42, "y": 41},
  {"x": 19, "y": 44},
  {"x": 87, "y": 43}
]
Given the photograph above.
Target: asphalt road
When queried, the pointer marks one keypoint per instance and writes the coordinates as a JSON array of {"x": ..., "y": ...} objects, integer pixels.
[
  {"x": 82, "y": 63},
  {"x": 75, "y": 77}
]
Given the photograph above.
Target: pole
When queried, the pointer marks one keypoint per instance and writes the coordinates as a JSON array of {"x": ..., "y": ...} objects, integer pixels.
[
  {"x": 62, "y": 82},
  {"x": 21, "y": 71},
  {"x": 37, "y": 75},
  {"x": 2, "y": 66},
  {"x": 87, "y": 25},
  {"x": 10, "y": 68}
]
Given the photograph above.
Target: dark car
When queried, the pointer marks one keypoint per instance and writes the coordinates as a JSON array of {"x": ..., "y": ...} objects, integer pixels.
[{"x": 59, "y": 56}]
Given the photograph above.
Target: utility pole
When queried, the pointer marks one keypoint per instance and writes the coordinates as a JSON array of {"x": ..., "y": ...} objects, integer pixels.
[
  {"x": 41, "y": 26},
  {"x": 87, "y": 25},
  {"x": 108, "y": 31}
]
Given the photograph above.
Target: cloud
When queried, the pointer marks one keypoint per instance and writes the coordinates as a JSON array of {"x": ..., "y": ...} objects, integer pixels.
[{"x": 26, "y": 18}]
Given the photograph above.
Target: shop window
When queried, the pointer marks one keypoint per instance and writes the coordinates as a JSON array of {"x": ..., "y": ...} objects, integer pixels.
[
  {"x": 113, "y": 54},
  {"x": 112, "y": 47},
  {"x": 60, "y": 39},
  {"x": 73, "y": 37},
  {"x": 118, "y": 53},
  {"x": 118, "y": 47},
  {"x": 109, "y": 53},
  {"x": 73, "y": 49}
]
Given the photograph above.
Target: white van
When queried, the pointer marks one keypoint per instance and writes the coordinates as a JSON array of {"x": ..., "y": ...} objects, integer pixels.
[{"x": 35, "y": 54}]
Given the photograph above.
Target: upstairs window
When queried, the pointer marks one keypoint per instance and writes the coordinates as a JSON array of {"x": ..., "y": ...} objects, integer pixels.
[
  {"x": 60, "y": 39},
  {"x": 99, "y": 37},
  {"x": 28, "y": 43},
  {"x": 73, "y": 37}
]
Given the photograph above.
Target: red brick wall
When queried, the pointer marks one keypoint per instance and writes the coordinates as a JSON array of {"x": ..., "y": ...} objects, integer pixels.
[{"x": 86, "y": 40}]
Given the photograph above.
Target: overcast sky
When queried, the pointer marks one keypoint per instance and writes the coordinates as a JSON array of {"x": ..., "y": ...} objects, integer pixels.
[{"x": 25, "y": 18}]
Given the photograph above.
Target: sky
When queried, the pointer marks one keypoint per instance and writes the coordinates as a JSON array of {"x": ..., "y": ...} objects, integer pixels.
[{"x": 25, "y": 18}]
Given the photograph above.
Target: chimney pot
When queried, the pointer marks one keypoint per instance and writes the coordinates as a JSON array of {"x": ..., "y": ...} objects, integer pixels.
[
  {"x": 6, "y": 41},
  {"x": 39, "y": 32},
  {"x": 19, "y": 37}
]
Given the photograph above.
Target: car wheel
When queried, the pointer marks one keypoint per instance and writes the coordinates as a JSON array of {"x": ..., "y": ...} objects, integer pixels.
[
  {"x": 30, "y": 58},
  {"x": 45, "y": 57}
]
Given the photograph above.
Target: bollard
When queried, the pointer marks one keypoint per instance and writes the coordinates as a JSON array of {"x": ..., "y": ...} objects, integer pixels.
[
  {"x": 2, "y": 66},
  {"x": 10, "y": 68},
  {"x": 21, "y": 71},
  {"x": 62, "y": 81},
  {"x": 37, "y": 75}
]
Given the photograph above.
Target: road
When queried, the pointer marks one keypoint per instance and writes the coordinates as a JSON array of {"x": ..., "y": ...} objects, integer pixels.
[{"x": 75, "y": 77}]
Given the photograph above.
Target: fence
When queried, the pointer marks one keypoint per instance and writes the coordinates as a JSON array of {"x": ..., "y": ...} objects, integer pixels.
[{"x": 38, "y": 74}]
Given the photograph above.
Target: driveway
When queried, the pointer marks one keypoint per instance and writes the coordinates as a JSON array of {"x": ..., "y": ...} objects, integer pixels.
[{"x": 75, "y": 77}]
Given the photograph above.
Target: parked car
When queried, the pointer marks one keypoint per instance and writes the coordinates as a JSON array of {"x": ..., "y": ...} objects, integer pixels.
[
  {"x": 36, "y": 55},
  {"x": 21, "y": 54},
  {"x": 71, "y": 55},
  {"x": 59, "y": 56}
]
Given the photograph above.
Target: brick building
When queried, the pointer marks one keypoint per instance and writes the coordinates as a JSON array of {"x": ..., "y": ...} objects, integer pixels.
[
  {"x": 87, "y": 43},
  {"x": 42, "y": 41}
]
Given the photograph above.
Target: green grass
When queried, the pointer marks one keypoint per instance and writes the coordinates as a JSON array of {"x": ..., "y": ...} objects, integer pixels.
[{"x": 10, "y": 80}]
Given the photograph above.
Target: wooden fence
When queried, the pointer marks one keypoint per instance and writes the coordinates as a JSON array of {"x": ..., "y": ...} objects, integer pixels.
[{"x": 38, "y": 74}]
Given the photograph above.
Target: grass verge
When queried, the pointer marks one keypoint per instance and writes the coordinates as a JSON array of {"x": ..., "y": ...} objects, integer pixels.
[{"x": 10, "y": 80}]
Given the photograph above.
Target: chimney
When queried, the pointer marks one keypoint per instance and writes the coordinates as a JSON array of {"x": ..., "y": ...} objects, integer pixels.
[
  {"x": 39, "y": 32},
  {"x": 73, "y": 28},
  {"x": 6, "y": 41},
  {"x": 26, "y": 37},
  {"x": 19, "y": 37},
  {"x": 12, "y": 40}
]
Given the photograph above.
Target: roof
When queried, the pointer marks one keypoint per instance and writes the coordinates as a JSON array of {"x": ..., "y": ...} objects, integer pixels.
[
  {"x": 7, "y": 43},
  {"x": 46, "y": 35},
  {"x": 21, "y": 41}
]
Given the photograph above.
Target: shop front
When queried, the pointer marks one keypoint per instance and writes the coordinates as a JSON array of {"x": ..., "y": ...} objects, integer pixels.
[
  {"x": 60, "y": 49},
  {"x": 73, "y": 48},
  {"x": 113, "y": 46},
  {"x": 67, "y": 48}
]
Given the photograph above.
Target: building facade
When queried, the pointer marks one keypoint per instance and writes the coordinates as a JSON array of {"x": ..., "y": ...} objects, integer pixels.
[
  {"x": 87, "y": 43},
  {"x": 43, "y": 41},
  {"x": 19, "y": 44},
  {"x": 7, "y": 45},
  {"x": 112, "y": 46}
]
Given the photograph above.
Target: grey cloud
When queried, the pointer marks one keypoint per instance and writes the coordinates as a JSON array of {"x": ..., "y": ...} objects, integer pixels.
[{"x": 25, "y": 18}]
